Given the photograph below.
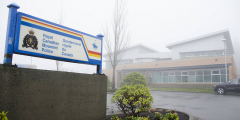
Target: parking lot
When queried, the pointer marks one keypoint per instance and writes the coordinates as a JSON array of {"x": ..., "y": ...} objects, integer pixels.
[{"x": 206, "y": 106}]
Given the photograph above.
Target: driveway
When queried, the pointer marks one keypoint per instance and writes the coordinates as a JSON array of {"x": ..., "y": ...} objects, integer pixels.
[{"x": 206, "y": 106}]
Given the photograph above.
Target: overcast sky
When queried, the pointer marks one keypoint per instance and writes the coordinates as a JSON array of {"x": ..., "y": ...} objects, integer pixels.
[{"x": 154, "y": 23}]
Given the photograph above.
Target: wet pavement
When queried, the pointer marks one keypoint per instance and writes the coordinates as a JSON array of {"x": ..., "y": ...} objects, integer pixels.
[{"x": 206, "y": 106}]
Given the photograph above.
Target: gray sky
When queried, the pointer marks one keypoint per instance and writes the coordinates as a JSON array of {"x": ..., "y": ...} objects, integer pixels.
[{"x": 153, "y": 23}]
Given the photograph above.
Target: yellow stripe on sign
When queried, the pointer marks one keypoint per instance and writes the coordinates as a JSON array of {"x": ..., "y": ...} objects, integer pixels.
[
  {"x": 58, "y": 29},
  {"x": 93, "y": 55}
]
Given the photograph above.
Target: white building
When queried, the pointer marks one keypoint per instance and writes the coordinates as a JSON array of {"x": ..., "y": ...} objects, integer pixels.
[{"x": 200, "y": 56}]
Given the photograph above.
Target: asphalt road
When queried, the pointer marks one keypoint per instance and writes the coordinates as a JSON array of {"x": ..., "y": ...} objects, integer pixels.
[{"x": 206, "y": 106}]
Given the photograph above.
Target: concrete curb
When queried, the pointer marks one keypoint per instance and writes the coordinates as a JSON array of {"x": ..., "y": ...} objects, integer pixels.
[
  {"x": 189, "y": 115},
  {"x": 181, "y": 91}
]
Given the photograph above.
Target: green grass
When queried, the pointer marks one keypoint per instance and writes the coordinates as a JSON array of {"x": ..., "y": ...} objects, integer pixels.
[{"x": 184, "y": 89}]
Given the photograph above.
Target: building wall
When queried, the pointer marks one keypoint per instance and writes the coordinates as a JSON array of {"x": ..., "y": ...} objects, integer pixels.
[
  {"x": 132, "y": 53},
  {"x": 205, "y": 44},
  {"x": 108, "y": 73},
  {"x": 30, "y": 94},
  {"x": 179, "y": 63}
]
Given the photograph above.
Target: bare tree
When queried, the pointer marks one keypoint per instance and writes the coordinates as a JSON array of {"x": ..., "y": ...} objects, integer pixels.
[
  {"x": 117, "y": 38},
  {"x": 59, "y": 63}
]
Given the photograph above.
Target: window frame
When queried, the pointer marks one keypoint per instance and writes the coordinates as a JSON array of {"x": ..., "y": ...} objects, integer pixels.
[
  {"x": 169, "y": 73},
  {"x": 215, "y": 70},
  {"x": 182, "y": 73},
  {"x": 201, "y": 54},
  {"x": 187, "y": 55}
]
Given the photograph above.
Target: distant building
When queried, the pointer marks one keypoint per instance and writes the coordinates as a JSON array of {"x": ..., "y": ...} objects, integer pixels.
[
  {"x": 27, "y": 66},
  {"x": 198, "y": 60}
]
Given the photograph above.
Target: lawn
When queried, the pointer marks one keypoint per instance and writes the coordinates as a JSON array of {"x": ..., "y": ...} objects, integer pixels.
[{"x": 184, "y": 89}]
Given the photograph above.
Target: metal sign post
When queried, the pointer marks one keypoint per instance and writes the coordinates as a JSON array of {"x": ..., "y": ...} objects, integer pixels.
[
  {"x": 32, "y": 36},
  {"x": 12, "y": 15}
]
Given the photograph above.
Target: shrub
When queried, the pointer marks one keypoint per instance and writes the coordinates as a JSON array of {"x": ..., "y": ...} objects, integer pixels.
[
  {"x": 136, "y": 118},
  {"x": 114, "y": 117},
  {"x": 3, "y": 116},
  {"x": 133, "y": 99},
  {"x": 134, "y": 78},
  {"x": 171, "y": 116},
  {"x": 157, "y": 116}
]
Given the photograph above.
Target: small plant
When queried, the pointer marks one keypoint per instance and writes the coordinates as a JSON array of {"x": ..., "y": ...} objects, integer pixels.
[
  {"x": 114, "y": 117},
  {"x": 136, "y": 118},
  {"x": 171, "y": 116},
  {"x": 157, "y": 116},
  {"x": 134, "y": 78},
  {"x": 132, "y": 100},
  {"x": 3, "y": 116}
]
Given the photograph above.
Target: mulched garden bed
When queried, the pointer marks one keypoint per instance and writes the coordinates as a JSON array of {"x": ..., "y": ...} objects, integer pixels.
[{"x": 182, "y": 116}]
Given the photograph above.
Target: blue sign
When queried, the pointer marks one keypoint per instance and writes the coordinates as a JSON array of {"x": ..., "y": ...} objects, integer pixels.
[{"x": 37, "y": 37}]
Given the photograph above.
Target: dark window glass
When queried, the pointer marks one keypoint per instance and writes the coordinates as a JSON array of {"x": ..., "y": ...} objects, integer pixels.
[
  {"x": 191, "y": 78},
  {"x": 184, "y": 79},
  {"x": 210, "y": 54},
  {"x": 165, "y": 73},
  {"x": 184, "y": 73},
  {"x": 223, "y": 78},
  {"x": 171, "y": 73},
  {"x": 215, "y": 72},
  {"x": 199, "y": 79},
  {"x": 199, "y": 72},
  {"x": 172, "y": 79},
  {"x": 191, "y": 72},
  {"x": 207, "y": 78},
  {"x": 165, "y": 79},
  {"x": 216, "y": 78},
  {"x": 178, "y": 79},
  {"x": 178, "y": 73},
  {"x": 223, "y": 72},
  {"x": 207, "y": 72}
]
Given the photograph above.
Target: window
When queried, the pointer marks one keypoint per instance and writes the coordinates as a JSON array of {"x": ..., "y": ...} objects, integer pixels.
[
  {"x": 215, "y": 78},
  {"x": 171, "y": 74},
  {"x": 199, "y": 79},
  {"x": 210, "y": 54},
  {"x": 178, "y": 77},
  {"x": 156, "y": 77},
  {"x": 184, "y": 77},
  {"x": 191, "y": 72},
  {"x": 189, "y": 55},
  {"x": 178, "y": 73},
  {"x": 215, "y": 72},
  {"x": 172, "y": 79},
  {"x": 219, "y": 53},
  {"x": 165, "y": 77},
  {"x": 191, "y": 77},
  {"x": 184, "y": 73},
  {"x": 199, "y": 72},
  {"x": 203, "y": 54},
  {"x": 207, "y": 76},
  {"x": 223, "y": 72},
  {"x": 199, "y": 76}
]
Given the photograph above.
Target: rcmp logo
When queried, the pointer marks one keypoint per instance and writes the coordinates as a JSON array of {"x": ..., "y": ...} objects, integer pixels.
[{"x": 30, "y": 40}]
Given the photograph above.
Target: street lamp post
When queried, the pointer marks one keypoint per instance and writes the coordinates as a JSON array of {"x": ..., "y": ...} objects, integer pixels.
[{"x": 225, "y": 53}]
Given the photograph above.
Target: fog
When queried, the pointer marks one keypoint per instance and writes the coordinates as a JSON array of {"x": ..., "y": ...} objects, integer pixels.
[{"x": 154, "y": 23}]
